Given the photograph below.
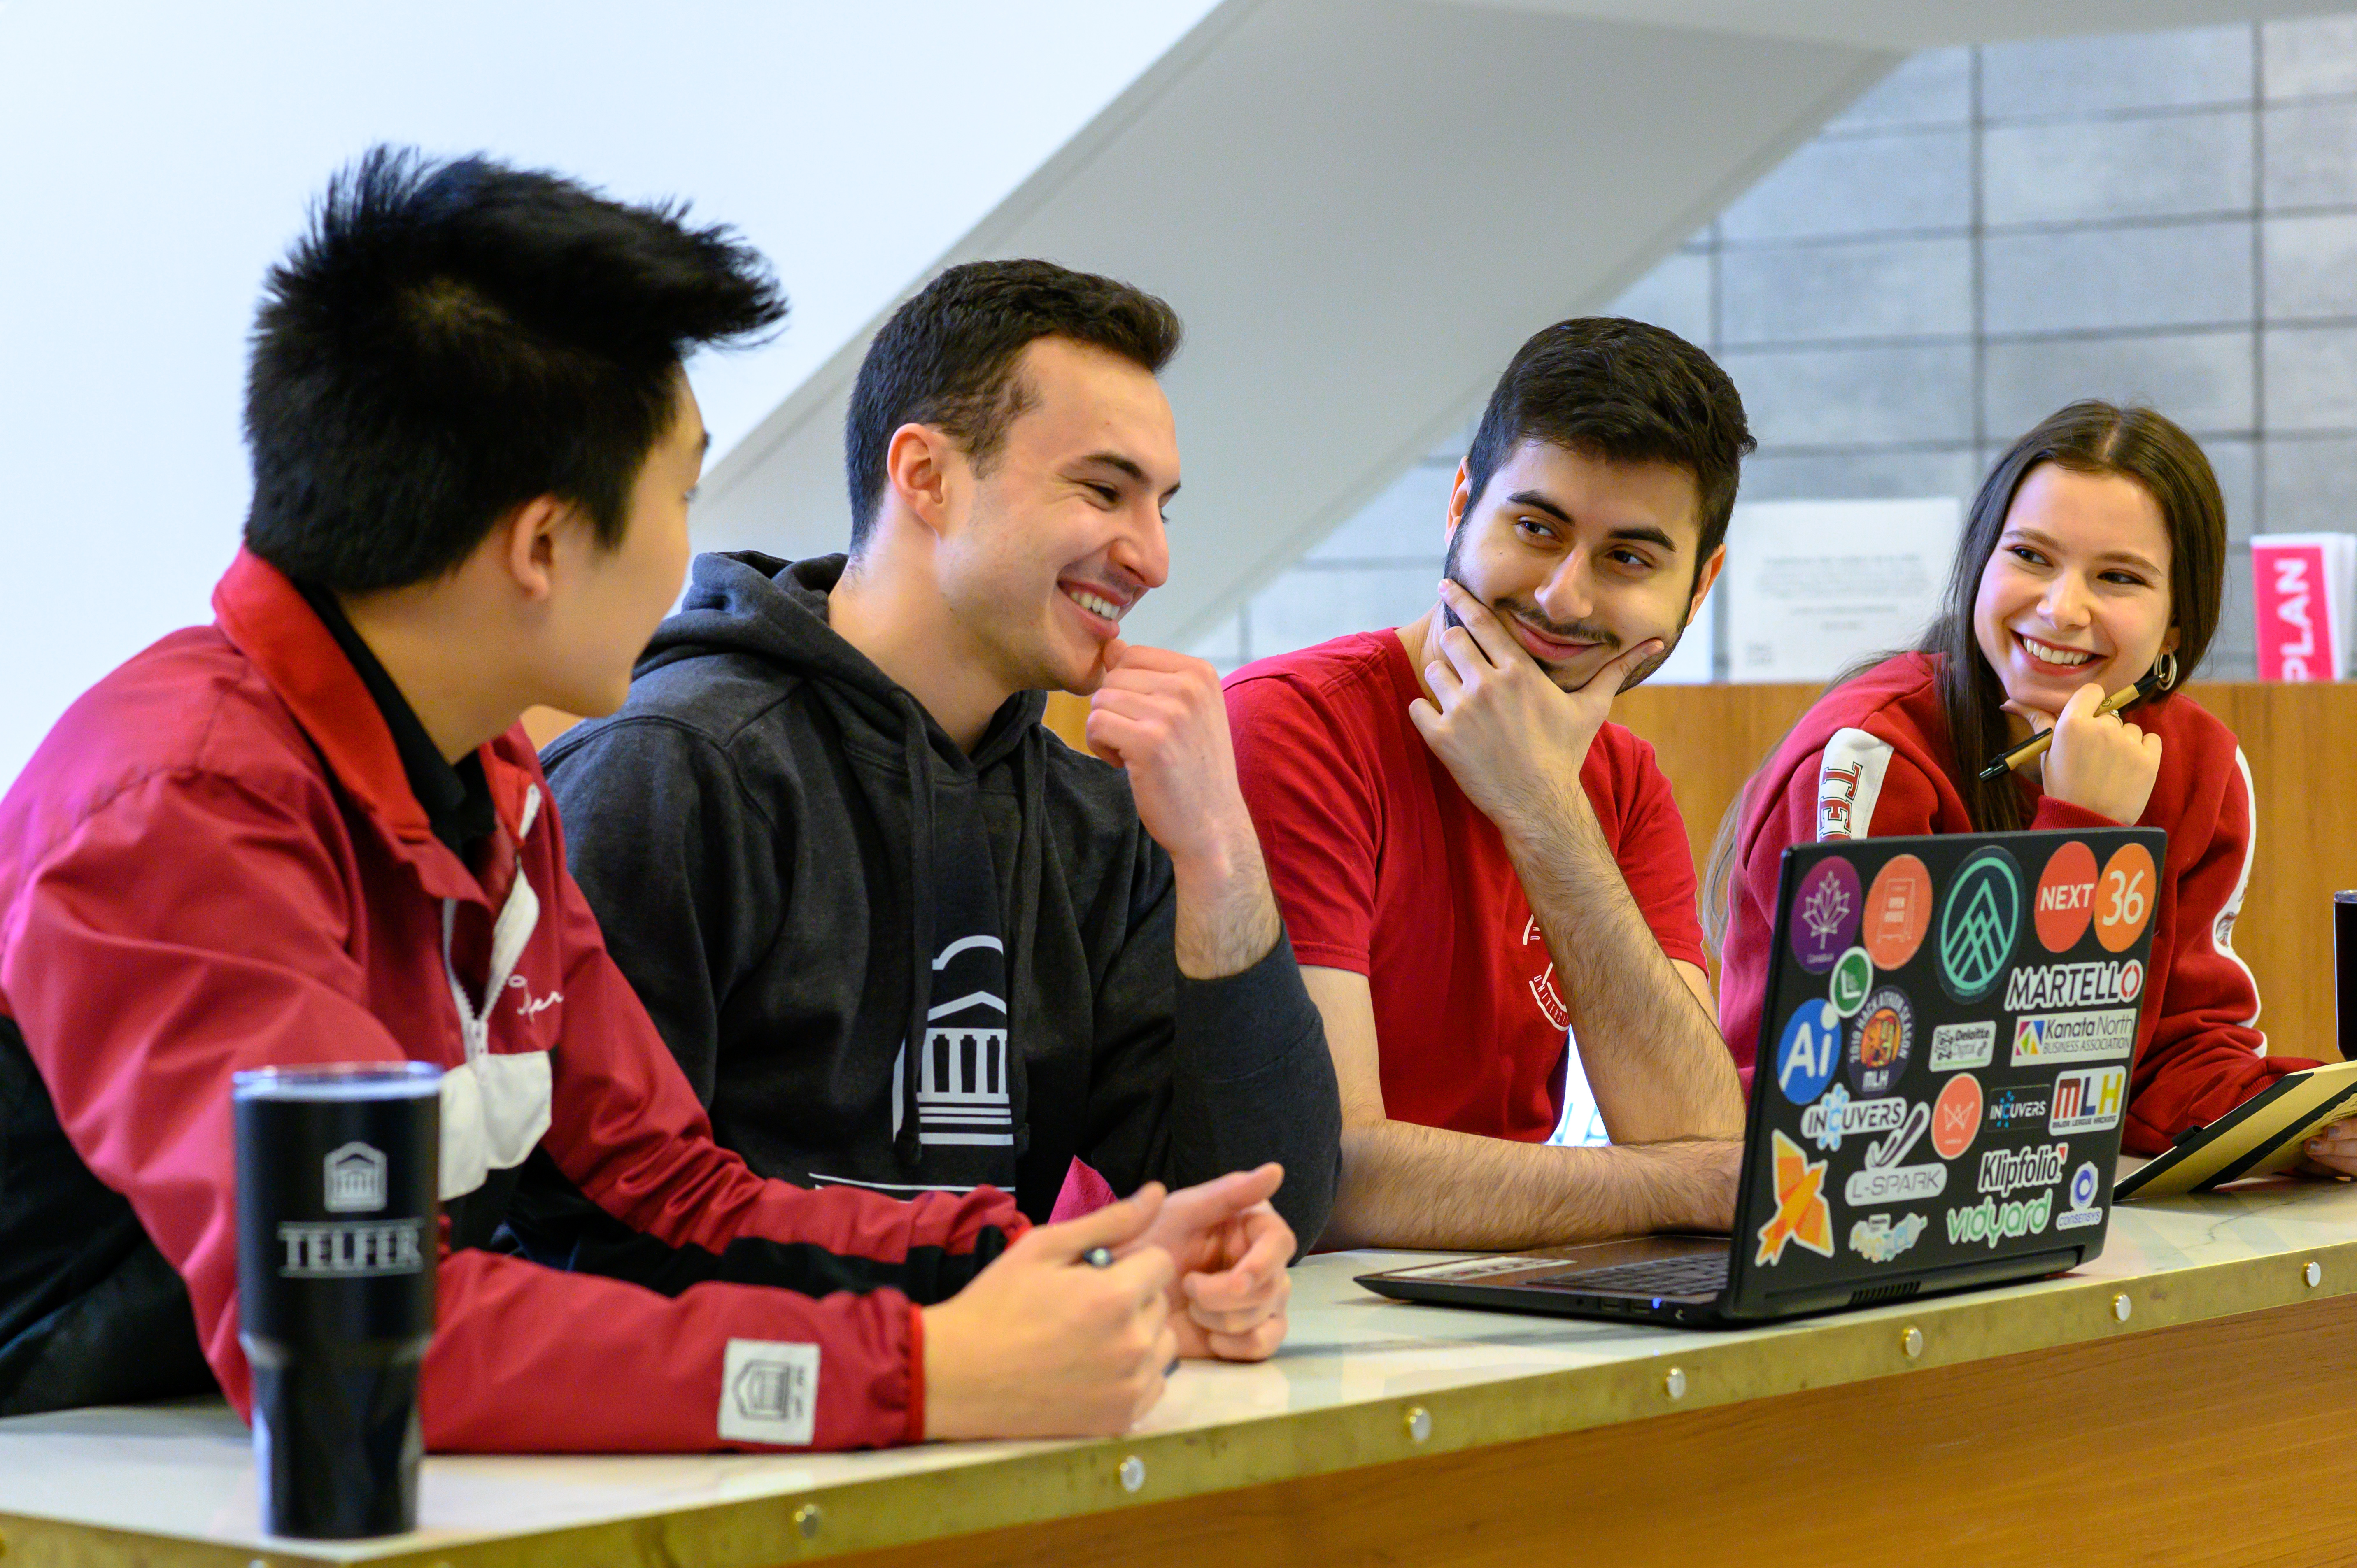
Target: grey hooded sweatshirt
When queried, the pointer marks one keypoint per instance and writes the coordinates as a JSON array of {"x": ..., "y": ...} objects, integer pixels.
[{"x": 888, "y": 964}]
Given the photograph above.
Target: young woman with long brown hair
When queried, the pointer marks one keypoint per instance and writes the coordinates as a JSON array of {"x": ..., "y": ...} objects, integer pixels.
[{"x": 2093, "y": 554}]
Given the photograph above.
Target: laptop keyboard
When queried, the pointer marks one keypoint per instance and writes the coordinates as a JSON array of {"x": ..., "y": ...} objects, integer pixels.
[{"x": 1702, "y": 1274}]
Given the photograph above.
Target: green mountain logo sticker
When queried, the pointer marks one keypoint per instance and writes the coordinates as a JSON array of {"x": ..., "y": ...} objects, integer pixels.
[{"x": 1979, "y": 923}]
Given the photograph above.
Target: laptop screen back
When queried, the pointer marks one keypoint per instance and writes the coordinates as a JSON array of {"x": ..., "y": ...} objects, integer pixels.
[{"x": 1943, "y": 1061}]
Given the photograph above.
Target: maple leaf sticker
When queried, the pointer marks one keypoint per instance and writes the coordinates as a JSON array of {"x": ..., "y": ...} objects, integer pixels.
[{"x": 1823, "y": 911}]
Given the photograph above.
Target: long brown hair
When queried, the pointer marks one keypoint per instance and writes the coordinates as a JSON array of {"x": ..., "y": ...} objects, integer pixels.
[{"x": 2088, "y": 437}]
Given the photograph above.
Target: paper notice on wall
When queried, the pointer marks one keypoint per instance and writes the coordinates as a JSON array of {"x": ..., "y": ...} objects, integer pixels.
[
  {"x": 1814, "y": 586},
  {"x": 2304, "y": 586}
]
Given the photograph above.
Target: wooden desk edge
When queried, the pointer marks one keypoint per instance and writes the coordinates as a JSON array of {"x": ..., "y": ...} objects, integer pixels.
[{"x": 1085, "y": 1478}]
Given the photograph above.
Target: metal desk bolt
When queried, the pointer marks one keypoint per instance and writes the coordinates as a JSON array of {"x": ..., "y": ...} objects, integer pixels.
[
  {"x": 1674, "y": 1385},
  {"x": 2313, "y": 1274},
  {"x": 806, "y": 1520},
  {"x": 1133, "y": 1473},
  {"x": 1911, "y": 1344},
  {"x": 2122, "y": 1306},
  {"x": 1419, "y": 1423}
]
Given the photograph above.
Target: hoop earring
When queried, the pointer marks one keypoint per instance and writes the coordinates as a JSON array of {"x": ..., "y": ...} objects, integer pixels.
[{"x": 2166, "y": 667}]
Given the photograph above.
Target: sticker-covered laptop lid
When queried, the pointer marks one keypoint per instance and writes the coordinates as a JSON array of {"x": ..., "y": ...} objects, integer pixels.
[{"x": 1943, "y": 1061}]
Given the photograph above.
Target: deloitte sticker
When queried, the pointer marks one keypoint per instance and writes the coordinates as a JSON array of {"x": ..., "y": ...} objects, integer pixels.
[
  {"x": 1853, "y": 978},
  {"x": 1978, "y": 924}
]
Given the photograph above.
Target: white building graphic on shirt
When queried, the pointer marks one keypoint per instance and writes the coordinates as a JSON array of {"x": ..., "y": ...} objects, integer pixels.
[{"x": 962, "y": 1095}]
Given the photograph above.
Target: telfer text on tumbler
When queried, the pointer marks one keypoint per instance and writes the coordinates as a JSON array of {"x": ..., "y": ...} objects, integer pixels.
[{"x": 337, "y": 1223}]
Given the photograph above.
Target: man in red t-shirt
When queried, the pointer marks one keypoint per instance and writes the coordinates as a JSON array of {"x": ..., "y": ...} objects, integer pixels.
[{"x": 1483, "y": 940}]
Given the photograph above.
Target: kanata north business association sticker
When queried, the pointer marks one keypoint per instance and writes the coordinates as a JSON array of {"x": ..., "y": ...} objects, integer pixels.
[
  {"x": 1979, "y": 922},
  {"x": 1825, "y": 914},
  {"x": 1898, "y": 911},
  {"x": 1880, "y": 1042},
  {"x": 1809, "y": 1051}
]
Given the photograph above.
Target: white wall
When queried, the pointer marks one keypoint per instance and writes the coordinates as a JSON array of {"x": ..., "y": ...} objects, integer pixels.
[{"x": 155, "y": 158}]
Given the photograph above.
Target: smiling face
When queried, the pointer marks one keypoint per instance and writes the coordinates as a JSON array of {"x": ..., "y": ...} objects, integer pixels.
[
  {"x": 1044, "y": 551},
  {"x": 2077, "y": 588},
  {"x": 1582, "y": 558}
]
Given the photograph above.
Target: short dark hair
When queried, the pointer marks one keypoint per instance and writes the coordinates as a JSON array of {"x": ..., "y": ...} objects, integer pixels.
[
  {"x": 451, "y": 339},
  {"x": 1625, "y": 391},
  {"x": 947, "y": 358}
]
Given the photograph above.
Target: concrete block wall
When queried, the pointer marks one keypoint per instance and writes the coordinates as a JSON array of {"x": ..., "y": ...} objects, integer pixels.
[{"x": 1988, "y": 235}]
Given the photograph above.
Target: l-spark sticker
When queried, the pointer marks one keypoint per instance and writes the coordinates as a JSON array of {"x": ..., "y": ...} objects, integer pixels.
[
  {"x": 1890, "y": 1151},
  {"x": 1895, "y": 1183},
  {"x": 2074, "y": 1036}
]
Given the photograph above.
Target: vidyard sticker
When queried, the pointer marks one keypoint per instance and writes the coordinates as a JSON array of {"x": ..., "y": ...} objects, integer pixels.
[
  {"x": 1956, "y": 1047},
  {"x": 1993, "y": 1222},
  {"x": 1880, "y": 1041},
  {"x": 1837, "y": 1116},
  {"x": 1879, "y": 1238},
  {"x": 1808, "y": 1052},
  {"x": 1853, "y": 977},
  {"x": 2084, "y": 1185},
  {"x": 1979, "y": 923}
]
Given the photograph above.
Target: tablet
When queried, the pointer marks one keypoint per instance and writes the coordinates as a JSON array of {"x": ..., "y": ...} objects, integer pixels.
[{"x": 2260, "y": 1135}]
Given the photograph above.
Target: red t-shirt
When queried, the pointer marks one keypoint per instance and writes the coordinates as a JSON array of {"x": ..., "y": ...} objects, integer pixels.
[{"x": 1382, "y": 867}]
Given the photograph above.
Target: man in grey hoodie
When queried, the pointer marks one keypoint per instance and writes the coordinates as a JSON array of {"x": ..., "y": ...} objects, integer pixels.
[{"x": 899, "y": 935}]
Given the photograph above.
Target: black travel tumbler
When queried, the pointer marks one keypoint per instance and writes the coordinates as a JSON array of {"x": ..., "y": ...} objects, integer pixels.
[
  {"x": 2344, "y": 971},
  {"x": 337, "y": 1176}
]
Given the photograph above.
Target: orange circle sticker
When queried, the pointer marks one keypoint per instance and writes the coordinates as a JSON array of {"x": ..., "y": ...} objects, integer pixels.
[
  {"x": 2066, "y": 896},
  {"x": 1897, "y": 912},
  {"x": 2123, "y": 896}
]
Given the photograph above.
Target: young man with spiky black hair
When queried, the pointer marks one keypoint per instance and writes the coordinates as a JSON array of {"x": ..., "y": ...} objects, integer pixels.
[
  {"x": 314, "y": 832},
  {"x": 901, "y": 936}
]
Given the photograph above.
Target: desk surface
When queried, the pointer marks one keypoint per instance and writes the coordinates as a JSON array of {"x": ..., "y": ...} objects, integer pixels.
[{"x": 174, "y": 1484}]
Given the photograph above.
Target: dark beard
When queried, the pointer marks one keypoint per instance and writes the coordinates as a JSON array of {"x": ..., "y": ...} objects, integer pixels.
[{"x": 1582, "y": 631}]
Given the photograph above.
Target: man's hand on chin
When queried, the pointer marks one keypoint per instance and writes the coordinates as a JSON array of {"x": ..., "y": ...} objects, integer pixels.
[{"x": 1513, "y": 739}]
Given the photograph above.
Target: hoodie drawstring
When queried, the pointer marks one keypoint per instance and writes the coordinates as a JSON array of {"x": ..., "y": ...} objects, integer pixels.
[{"x": 909, "y": 1144}]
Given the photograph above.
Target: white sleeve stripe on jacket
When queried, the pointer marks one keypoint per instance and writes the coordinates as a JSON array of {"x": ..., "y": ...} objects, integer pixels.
[
  {"x": 1848, "y": 784},
  {"x": 2222, "y": 929}
]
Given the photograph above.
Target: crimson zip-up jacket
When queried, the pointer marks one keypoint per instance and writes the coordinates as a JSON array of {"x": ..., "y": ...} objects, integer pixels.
[
  {"x": 1872, "y": 759},
  {"x": 215, "y": 861}
]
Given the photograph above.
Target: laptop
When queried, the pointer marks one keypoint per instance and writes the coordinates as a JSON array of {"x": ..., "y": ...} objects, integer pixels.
[{"x": 1942, "y": 1072}]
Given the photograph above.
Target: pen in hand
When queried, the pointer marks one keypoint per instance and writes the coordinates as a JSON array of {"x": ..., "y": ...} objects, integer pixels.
[{"x": 2033, "y": 748}]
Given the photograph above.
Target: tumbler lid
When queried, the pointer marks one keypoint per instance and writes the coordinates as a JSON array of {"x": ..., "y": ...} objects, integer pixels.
[{"x": 340, "y": 1080}]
